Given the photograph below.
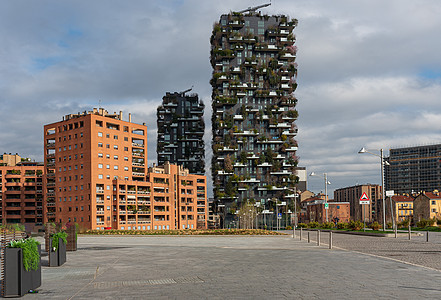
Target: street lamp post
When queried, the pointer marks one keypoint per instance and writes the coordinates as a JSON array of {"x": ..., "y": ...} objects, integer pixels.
[
  {"x": 325, "y": 177},
  {"x": 363, "y": 150}
]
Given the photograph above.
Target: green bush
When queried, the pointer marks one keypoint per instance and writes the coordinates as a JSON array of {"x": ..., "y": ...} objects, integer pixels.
[
  {"x": 423, "y": 223},
  {"x": 389, "y": 225},
  {"x": 356, "y": 225},
  {"x": 438, "y": 222},
  {"x": 403, "y": 224},
  {"x": 302, "y": 225},
  {"x": 288, "y": 228},
  {"x": 328, "y": 225},
  {"x": 313, "y": 224},
  {"x": 375, "y": 225},
  {"x": 31, "y": 257},
  {"x": 342, "y": 225}
]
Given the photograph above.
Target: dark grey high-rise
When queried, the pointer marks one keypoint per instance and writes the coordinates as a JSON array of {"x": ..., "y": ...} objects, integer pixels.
[
  {"x": 414, "y": 169},
  {"x": 181, "y": 131},
  {"x": 254, "y": 70}
]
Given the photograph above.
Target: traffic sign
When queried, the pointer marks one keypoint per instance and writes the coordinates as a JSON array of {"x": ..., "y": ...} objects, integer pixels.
[
  {"x": 364, "y": 199},
  {"x": 279, "y": 216},
  {"x": 326, "y": 205}
]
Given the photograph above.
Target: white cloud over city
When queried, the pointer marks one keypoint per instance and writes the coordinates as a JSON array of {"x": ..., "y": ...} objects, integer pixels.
[{"x": 369, "y": 71}]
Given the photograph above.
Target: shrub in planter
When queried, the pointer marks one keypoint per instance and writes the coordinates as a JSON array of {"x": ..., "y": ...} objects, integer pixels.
[
  {"x": 302, "y": 225},
  {"x": 403, "y": 224},
  {"x": 313, "y": 224},
  {"x": 375, "y": 226},
  {"x": 57, "y": 253},
  {"x": 342, "y": 225},
  {"x": 288, "y": 228},
  {"x": 22, "y": 267}
]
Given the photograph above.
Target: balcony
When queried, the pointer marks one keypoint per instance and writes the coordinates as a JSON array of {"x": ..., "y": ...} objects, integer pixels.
[
  {"x": 138, "y": 174},
  {"x": 137, "y": 145},
  {"x": 100, "y": 191},
  {"x": 100, "y": 212}
]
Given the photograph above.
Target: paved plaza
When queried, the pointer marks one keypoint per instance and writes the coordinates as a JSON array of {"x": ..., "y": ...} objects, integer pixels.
[{"x": 234, "y": 267}]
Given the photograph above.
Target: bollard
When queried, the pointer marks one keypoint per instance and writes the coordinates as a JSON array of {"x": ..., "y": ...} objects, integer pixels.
[
  {"x": 410, "y": 232},
  {"x": 301, "y": 233},
  {"x": 427, "y": 236},
  {"x": 318, "y": 237},
  {"x": 330, "y": 239},
  {"x": 396, "y": 230},
  {"x": 309, "y": 239},
  {"x": 293, "y": 231}
]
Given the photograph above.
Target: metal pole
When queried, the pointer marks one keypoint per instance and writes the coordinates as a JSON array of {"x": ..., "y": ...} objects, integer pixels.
[
  {"x": 396, "y": 229},
  {"x": 382, "y": 190},
  {"x": 309, "y": 238},
  {"x": 295, "y": 206},
  {"x": 427, "y": 236},
  {"x": 330, "y": 239},
  {"x": 326, "y": 194},
  {"x": 293, "y": 232},
  {"x": 301, "y": 233},
  {"x": 392, "y": 212},
  {"x": 318, "y": 237},
  {"x": 409, "y": 232}
]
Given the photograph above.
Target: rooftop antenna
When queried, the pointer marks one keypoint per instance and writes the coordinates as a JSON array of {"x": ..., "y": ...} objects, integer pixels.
[
  {"x": 182, "y": 93},
  {"x": 253, "y": 9}
]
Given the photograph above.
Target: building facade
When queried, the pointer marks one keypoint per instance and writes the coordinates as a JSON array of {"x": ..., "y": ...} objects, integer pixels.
[
  {"x": 254, "y": 70},
  {"x": 337, "y": 211},
  {"x": 362, "y": 212},
  {"x": 414, "y": 169},
  {"x": 181, "y": 131},
  {"x": 97, "y": 176},
  {"x": 427, "y": 206},
  {"x": 21, "y": 193},
  {"x": 403, "y": 207}
]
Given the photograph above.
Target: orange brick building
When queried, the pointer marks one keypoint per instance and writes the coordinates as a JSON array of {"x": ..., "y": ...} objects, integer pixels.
[
  {"x": 97, "y": 175},
  {"x": 21, "y": 193}
]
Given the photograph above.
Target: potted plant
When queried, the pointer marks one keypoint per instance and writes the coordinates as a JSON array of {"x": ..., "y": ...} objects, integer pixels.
[
  {"x": 57, "y": 252},
  {"x": 22, "y": 269}
]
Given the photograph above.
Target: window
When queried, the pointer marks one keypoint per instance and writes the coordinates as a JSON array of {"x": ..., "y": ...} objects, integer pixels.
[
  {"x": 107, "y": 166},
  {"x": 100, "y": 155},
  {"x": 126, "y": 158},
  {"x": 100, "y": 166},
  {"x": 126, "y": 148},
  {"x": 433, "y": 202},
  {"x": 115, "y": 137},
  {"x": 100, "y": 176},
  {"x": 115, "y": 147},
  {"x": 107, "y": 135},
  {"x": 115, "y": 157},
  {"x": 126, "y": 139},
  {"x": 107, "y": 155},
  {"x": 108, "y": 146},
  {"x": 126, "y": 168},
  {"x": 115, "y": 167},
  {"x": 100, "y": 144}
]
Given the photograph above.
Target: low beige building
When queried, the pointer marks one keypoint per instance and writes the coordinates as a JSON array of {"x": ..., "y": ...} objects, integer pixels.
[{"x": 427, "y": 206}]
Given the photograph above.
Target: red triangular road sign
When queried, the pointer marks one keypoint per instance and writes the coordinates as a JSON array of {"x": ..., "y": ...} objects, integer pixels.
[{"x": 364, "y": 197}]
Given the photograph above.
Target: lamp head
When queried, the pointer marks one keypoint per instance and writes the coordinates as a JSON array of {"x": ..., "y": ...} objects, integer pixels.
[
  {"x": 362, "y": 150},
  {"x": 312, "y": 174}
]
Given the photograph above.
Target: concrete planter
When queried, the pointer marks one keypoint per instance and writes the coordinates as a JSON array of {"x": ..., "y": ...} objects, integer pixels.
[
  {"x": 57, "y": 258},
  {"x": 18, "y": 281}
]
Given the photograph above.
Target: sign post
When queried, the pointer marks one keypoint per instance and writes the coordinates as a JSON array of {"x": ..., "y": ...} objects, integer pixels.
[{"x": 364, "y": 200}]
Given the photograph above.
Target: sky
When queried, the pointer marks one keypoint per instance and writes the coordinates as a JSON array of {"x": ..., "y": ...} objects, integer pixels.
[{"x": 369, "y": 72}]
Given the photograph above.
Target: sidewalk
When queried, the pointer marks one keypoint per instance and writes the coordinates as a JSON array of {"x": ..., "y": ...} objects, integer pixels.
[{"x": 221, "y": 267}]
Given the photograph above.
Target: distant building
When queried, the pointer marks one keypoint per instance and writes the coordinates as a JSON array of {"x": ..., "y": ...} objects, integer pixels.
[
  {"x": 414, "y": 169},
  {"x": 403, "y": 207},
  {"x": 337, "y": 211},
  {"x": 427, "y": 206},
  {"x": 181, "y": 132},
  {"x": 21, "y": 192},
  {"x": 363, "y": 212},
  {"x": 9, "y": 159}
]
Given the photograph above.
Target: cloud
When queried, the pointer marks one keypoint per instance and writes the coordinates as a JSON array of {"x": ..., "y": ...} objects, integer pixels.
[{"x": 369, "y": 71}]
